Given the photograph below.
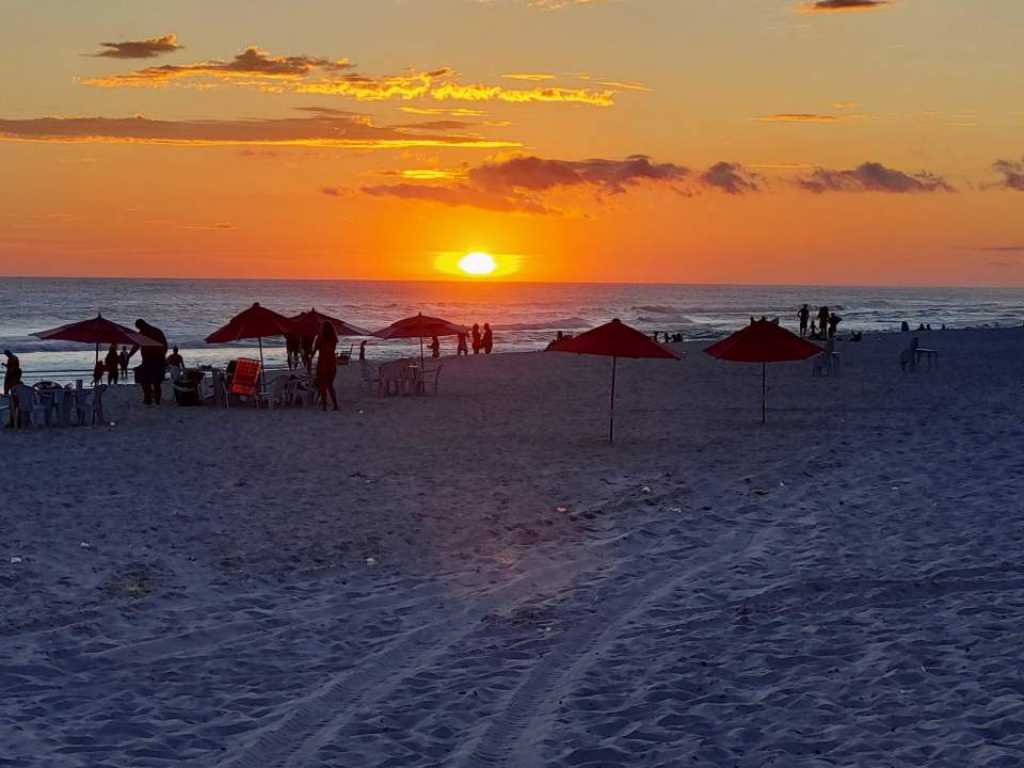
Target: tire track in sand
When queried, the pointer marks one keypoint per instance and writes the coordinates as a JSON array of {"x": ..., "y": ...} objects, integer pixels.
[{"x": 500, "y": 743}]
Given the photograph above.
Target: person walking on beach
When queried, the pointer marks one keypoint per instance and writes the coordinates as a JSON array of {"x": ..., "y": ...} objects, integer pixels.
[
  {"x": 150, "y": 374},
  {"x": 476, "y": 339},
  {"x": 324, "y": 347},
  {"x": 112, "y": 364},
  {"x": 804, "y": 315},
  {"x": 462, "y": 349},
  {"x": 435, "y": 347},
  {"x": 488, "y": 339},
  {"x": 12, "y": 376}
]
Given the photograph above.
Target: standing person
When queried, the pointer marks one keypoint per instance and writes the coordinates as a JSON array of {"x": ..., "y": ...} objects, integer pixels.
[
  {"x": 123, "y": 363},
  {"x": 435, "y": 347},
  {"x": 462, "y": 348},
  {"x": 488, "y": 340},
  {"x": 112, "y": 363},
  {"x": 324, "y": 347},
  {"x": 362, "y": 351},
  {"x": 833, "y": 324},
  {"x": 307, "y": 348},
  {"x": 12, "y": 376},
  {"x": 175, "y": 358},
  {"x": 823, "y": 315},
  {"x": 150, "y": 374},
  {"x": 292, "y": 347},
  {"x": 804, "y": 314},
  {"x": 476, "y": 339}
]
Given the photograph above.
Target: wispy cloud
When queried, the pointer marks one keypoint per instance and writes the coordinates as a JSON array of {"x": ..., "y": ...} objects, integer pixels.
[
  {"x": 139, "y": 49},
  {"x": 521, "y": 183},
  {"x": 254, "y": 68},
  {"x": 531, "y": 76},
  {"x": 873, "y": 177},
  {"x": 322, "y": 130},
  {"x": 805, "y": 117},
  {"x": 1012, "y": 173},
  {"x": 843, "y": 6},
  {"x": 252, "y": 63}
]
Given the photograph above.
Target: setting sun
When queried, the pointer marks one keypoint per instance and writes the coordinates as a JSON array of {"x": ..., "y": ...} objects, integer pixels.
[{"x": 477, "y": 263}]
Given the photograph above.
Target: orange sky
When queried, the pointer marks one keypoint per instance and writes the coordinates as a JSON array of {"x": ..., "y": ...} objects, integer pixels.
[{"x": 843, "y": 141}]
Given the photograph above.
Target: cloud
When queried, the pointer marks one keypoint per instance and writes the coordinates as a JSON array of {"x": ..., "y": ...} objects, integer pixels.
[
  {"x": 873, "y": 177},
  {"x": 140, "y": 49},
  {"x": 254, "y": 68},
  {"x": 803, "y": 117},
  {"x": 731, "y": 178},
  {"x": 520, "y": 183},
  {"x": 321, "y": 130},
  {"x": 556, "y": 4},
  {"x": 1000, "y": 248},
  {"x": 537, "y": 174},
  {"x": 836, "y": 6},
  {"x": 1012, "y": 173},
  {"x": 252, "y": 63},
  {"x": 532, "y": 76}
]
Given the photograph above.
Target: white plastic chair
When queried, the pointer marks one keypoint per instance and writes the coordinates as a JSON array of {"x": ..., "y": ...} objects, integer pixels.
[
  {"x": 28, "y": 409},
  {"x": 908, "y": 357}
]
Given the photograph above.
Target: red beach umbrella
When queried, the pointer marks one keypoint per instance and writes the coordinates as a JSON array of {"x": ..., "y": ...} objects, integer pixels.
[
  {"x": 256, "y": 322},
  {"x": 420, "y": 327},
  {"x": 309, "y": 324},
  {"x": 763, "y": 342},
  {"x": 96, "y": 331},
  {"x": 614, "y": 340}
]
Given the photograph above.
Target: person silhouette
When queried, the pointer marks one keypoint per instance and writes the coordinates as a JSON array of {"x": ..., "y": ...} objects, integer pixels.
[
  {"x": 324, "y": 349},
  {"x": 476, "y": 339},
  {"x": 150, "y": 374},
  {"x": 823, "y": 315},
  {"x": 804, "y": 315},
  {"x": 462, "y": 349},
  {"x": 112, "y": 363},
  {"x": 488, "y": 340},
  {"x": 12, "y": 376},
  {"x": 435, "y": 347}
]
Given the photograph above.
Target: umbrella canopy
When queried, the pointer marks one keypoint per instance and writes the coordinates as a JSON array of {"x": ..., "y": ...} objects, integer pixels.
[
  {"x": 614, "y": 340},
  {"x": 309, "y": 324},
  {"x": 97, "y": 331},
  {"x": 420, "y": 327},
  {"x": 256, "y": 322},
  {"x": 763, "y": 342}
]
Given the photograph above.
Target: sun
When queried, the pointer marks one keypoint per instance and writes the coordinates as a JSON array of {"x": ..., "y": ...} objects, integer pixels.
[{"x": 478, "y": 264}]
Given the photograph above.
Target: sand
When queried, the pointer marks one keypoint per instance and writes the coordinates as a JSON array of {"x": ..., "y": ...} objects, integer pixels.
[{"x": 478, "y": 579}]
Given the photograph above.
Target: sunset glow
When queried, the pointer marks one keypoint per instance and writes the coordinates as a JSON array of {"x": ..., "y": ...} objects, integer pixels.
[{"x": 165, "y": 140}]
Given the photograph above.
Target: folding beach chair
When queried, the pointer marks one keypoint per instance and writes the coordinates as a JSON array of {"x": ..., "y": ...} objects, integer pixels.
[{"x": 246, "y": 380}]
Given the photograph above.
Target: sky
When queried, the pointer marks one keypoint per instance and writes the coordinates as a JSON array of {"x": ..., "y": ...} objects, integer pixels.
[{"x": 684, "y": 141}]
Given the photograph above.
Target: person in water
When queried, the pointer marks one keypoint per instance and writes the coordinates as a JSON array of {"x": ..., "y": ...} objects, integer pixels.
[
  {"x": 12, "y": 376},
  {"x": 435, "y": 347},
  {"x": 324, "y": 348},
  {"x": 476, "y": 339},
  {"x": 488, "y": 339},
  {"x": 150, "y": 374},
  {"x": 175, "y": 358},
  {"x": 804, "y": 315},
  {"x": 112, "y": 364}
]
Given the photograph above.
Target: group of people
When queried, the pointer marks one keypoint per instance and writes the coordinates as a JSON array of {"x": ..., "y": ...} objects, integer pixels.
[
  {"x": 823, "y": 326},
  {"x": 670, "y": 338},
  {"x": 483, "y": 341}
]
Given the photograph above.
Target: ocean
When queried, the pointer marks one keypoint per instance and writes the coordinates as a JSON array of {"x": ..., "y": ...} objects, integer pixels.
[{"x": 524, "y": 316}]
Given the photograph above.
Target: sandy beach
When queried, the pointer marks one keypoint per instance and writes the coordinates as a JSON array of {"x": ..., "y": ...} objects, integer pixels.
[{"x": 479, "y": 579}]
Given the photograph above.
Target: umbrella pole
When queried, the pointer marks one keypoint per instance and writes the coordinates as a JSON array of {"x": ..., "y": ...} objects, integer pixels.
[
  {"x": 97, "y": 353},
  {"x": 764, "y": 393},
  {"x": 263, "y": 370},
  {"x": 611, "y": 411}
]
